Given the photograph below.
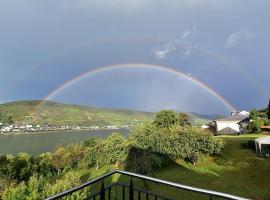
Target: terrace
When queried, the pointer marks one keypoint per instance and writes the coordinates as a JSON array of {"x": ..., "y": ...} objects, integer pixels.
[{"x": 129, "y": 190}]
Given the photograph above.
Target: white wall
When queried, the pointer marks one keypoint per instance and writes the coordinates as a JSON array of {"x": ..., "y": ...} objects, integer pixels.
[{"x": 233, "y": 125}]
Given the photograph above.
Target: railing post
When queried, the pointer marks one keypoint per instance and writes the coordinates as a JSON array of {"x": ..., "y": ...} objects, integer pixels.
[
  {"x": 131, "y": 190},
  {"x": 124, "y": 192},
  {"x": 102, "y": 191},
  {"x": 110, "y": 191}
]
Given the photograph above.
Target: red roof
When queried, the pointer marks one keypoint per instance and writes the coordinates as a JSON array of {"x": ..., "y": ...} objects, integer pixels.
[{"x": 266, "y": 127}]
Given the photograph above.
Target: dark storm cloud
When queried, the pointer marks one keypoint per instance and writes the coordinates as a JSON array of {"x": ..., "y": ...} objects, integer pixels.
[{"x": 44, "y": 43}]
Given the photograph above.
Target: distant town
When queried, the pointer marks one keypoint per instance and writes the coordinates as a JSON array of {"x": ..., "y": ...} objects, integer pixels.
[{"x": 22, "y": 128}]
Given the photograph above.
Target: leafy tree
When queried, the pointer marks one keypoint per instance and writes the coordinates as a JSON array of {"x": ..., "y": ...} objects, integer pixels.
[
  {"x": 20, "y": 167},
  {"x": 57, "y": 159},
  {"x": 184, "y": 119},
  {"x": 255, "y": 125},
  {"x": 73, "y": 154},
  {"x": 111, "y": 150},
  {"x": 45, "y": 164},
  {"x": 254, "y": 114},
  {"x": 166, "y": 118},
  {"x": 3, "y": 165},
  {"x": 140, "y": 161},
  {"x": 90, "y": 142},
  {"x": 177, "y": 142}
]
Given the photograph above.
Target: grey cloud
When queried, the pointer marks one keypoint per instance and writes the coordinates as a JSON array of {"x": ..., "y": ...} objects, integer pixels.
[{"x": 183, "y": 47}]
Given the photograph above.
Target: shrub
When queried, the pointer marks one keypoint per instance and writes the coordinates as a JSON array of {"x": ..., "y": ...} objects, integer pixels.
[{"x": 38, "y": 188}]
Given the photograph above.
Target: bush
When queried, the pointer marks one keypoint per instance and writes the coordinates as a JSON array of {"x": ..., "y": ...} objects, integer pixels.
[
  {"x": 38, "y": 188},
  {"x": 111, "y": 150}
]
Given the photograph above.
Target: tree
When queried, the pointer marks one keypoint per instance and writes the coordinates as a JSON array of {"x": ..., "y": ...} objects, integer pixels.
[
  {"x": 255, "y": 126},
  {"x": 184, "y": 119},
  {"x": 254, "y": 114},
  {"x": 166, "y": 118}
]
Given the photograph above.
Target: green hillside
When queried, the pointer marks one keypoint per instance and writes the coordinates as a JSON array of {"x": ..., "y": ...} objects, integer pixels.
[{"x": 54, "y": 113}]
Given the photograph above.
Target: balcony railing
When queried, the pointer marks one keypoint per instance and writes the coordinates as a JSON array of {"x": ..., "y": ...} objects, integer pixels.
[{"x": 128, "y": 190}]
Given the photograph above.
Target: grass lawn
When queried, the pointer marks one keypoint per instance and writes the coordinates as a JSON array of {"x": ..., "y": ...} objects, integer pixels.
[{"x": 239, "y": 171}]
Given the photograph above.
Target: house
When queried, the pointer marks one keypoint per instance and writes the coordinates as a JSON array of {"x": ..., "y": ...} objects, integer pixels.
[{"x": 234, "y": 124}]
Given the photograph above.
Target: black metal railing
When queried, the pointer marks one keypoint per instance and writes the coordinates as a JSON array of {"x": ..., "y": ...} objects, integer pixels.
[{"x": 128, "y": 190}]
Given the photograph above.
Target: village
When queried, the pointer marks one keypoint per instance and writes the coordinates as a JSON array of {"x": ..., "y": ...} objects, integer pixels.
[{"x": 23, "y": 128}]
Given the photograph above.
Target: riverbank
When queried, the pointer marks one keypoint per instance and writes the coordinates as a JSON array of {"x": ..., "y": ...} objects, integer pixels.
[{"x": 61, "y": 131}]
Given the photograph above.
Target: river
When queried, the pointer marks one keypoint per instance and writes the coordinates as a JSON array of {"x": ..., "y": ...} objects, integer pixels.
[{"x": 37, "y": 143}]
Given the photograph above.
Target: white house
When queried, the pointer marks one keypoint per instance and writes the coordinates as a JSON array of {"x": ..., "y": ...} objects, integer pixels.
[{"x": 234, "y": 124}]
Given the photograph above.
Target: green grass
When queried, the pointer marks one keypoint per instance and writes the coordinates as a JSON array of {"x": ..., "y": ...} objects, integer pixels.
[{"x": 239, "y": 171}]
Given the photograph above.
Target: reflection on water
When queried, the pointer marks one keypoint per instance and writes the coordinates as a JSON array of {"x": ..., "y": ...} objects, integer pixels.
[{"x": 36, "y": 143}]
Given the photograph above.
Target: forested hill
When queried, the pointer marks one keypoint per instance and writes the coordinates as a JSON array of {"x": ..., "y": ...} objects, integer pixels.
[{"x": 54, "y": 113}]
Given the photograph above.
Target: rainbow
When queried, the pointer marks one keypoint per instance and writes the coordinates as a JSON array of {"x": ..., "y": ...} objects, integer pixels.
[
  {"x": 167, "y": 69},
  {"x": 214, "y": 57}
]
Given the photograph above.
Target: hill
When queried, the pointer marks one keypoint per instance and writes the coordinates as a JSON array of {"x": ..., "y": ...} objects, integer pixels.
[{"x": 54, "y": 113}]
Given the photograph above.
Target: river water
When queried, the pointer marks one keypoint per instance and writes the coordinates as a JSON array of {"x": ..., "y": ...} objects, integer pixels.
[{"x": 37, "y": 143}]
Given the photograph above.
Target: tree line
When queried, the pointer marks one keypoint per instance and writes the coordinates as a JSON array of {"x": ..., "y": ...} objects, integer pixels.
[{"x": 149, "y": 146}]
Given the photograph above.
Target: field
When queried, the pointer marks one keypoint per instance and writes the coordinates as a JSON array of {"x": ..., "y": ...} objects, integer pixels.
[{"x": 239, "y": 171}]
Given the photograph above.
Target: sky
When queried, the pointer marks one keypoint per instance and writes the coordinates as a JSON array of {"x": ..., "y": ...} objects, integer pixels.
[{"x": 223, "y": 45}]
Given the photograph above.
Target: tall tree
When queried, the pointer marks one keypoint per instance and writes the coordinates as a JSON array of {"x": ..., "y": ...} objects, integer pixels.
[
  {"x": 166, "y": 118},
  {"x": 184, "y": 119}
]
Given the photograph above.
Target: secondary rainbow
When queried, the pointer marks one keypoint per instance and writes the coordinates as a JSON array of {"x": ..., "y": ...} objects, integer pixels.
[
  {"x": 167, "y": 69},
  {"x": 212, "y": 56}
]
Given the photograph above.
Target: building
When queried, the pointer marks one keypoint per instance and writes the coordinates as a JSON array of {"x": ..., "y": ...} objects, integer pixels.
[
  {"x": 234, "y": 124},
  {"x": 263, "y": 146}
]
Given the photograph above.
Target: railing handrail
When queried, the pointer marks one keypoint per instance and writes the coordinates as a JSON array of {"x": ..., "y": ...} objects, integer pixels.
[{"x": 156, "y": 180}]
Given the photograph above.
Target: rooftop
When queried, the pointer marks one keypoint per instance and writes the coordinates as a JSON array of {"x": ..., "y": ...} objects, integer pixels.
[{"x": 238, "y": 118}]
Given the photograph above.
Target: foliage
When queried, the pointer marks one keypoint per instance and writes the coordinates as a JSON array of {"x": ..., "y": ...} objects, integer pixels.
[
  {"x": 166, "y": 118},
  {"x": 135, "y": 155},
  {"x": 169, "y": 137},
  {"x": 112, "y": 150},
  {"x": 258, "y": 118},
  {"x": 177, "y": 142},
  {"x": 38, "y": 188},
  {"x": 184, "y": 119},
  {"x": 255, "y": 125}
]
